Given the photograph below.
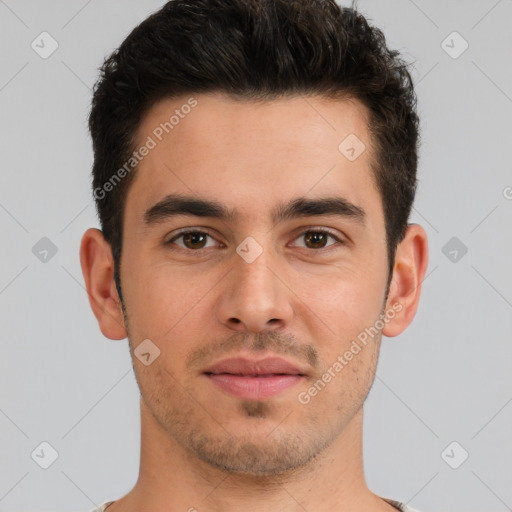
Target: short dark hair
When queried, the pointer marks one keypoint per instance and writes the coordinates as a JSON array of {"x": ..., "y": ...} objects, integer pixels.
[{"x": 255, "y": 50}]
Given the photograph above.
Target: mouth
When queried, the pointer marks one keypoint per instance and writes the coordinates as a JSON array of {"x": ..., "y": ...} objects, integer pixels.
[{"x": 255, "y": 379}]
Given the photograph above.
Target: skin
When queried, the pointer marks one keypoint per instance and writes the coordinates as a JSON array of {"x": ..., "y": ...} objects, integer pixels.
[{"x": 202, "y": 448}]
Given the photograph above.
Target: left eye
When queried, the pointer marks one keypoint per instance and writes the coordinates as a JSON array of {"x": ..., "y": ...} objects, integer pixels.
[{"x": 317, "y": 239}]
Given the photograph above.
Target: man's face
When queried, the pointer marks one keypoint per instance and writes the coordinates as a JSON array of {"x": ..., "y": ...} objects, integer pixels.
[{"x": 289, "y": 290}]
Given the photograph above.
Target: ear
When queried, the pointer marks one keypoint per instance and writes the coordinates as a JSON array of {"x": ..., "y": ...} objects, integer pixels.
[
  {"x": 98, "y": 271},
  {"x": 411, "y": 261}
]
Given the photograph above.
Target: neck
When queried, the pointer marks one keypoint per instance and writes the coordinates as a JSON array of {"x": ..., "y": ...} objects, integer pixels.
[{"x": 171, "y": 478}]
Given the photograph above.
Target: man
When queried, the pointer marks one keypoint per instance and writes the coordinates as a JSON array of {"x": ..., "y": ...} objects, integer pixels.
[{"x": 254, "y": 170}]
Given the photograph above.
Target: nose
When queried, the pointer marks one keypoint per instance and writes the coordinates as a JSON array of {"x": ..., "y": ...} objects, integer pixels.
[{"x": 254, "y": 296}]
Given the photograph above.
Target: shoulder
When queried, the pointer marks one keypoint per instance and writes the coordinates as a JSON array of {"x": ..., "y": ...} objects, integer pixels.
[
  {"x": 399, "y": 505},
  {"x": 102, "y": 507}
]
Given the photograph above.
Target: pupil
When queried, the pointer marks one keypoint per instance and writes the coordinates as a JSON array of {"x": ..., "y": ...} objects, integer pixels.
[
  {"x": 194, "y": 238},
  {"x": 316, "y": 238}
]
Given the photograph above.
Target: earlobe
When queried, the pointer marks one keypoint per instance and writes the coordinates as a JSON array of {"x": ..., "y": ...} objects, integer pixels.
[
  {"x": 98, "y": 271},
  {"x": 411, "y": 262}
]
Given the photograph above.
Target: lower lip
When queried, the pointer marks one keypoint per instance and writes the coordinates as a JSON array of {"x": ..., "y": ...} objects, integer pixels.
[{"x": 254, "y": 387}]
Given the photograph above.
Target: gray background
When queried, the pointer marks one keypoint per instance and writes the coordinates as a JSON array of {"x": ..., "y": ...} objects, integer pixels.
[{"x": 447, "y": 378}]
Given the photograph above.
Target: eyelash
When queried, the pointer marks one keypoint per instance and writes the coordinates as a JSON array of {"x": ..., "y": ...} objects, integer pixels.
[{"x": 309, "y": 230}]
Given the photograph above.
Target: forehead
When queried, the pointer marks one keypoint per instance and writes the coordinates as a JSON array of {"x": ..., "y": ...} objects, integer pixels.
[
  {"x": 295, "y": 123},
  {"x": 240, "y": 151}
]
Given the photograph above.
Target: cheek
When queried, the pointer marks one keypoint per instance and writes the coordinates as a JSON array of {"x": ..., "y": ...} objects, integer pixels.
[
  {"x": 151, "y": 290},
  {"x": 348, "y": 303},
  {"x": 168, "y": 307}
]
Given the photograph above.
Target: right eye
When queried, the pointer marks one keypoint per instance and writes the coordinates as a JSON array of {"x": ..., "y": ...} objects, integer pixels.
[{"x": 193, "y": 240}]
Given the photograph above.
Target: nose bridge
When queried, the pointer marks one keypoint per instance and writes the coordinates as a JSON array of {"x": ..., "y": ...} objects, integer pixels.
[
  {"x": 254, "y": 297},
  {"x": 256, "y": 277}
]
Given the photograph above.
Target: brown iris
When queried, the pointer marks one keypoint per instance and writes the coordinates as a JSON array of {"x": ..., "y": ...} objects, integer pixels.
[
  {"x": 318, "y": 239},
  {"x": 195, "y": 240}
]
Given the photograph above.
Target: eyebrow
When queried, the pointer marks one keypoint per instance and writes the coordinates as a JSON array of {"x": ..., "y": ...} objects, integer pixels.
[{"x": 174, "y": 204}]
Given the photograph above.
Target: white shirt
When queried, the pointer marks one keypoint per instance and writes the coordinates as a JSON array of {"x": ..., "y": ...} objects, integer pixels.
[{"x": 398, "y": 505}]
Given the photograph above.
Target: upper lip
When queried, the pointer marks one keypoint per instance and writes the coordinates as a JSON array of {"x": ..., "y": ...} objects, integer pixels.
[{"x": 266, "y": 366}]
